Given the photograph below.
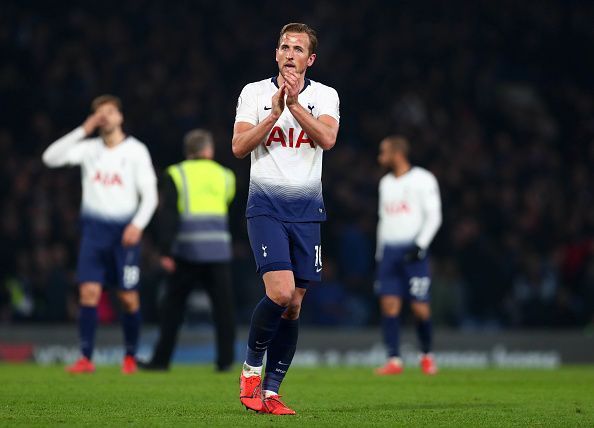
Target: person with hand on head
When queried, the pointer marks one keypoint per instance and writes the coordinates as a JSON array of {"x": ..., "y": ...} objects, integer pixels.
[{"x": 119, "y": 197}]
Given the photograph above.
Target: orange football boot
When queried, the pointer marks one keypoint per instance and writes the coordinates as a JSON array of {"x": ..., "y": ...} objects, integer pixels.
[
  {"x": 428, "y": 365},
  {"x": 392, "y": 367},
  {"x": 274, "y": 406},
  {"x": 129, "y": 365},
  {"x": 82, "y": 365},
  {"x": 250, "y": 392}
]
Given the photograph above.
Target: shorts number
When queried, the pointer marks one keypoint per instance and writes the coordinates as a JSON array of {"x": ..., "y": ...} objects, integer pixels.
[
  {"x": 318, "y": 256},
  {"x": 419, "y": 286},
  {"x": 131, "y": 276}
]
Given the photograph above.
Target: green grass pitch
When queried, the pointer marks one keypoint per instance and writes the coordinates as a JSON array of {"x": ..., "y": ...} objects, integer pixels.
[{"x": 337, "y": 397}]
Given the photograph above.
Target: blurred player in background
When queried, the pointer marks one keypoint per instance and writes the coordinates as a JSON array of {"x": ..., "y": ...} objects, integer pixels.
[
  {"x": 285, "y": 123},
  {"x": 119, "y": 197},
  {"x": 409, "y": 218},
  {"x": 195, "y": 246}
]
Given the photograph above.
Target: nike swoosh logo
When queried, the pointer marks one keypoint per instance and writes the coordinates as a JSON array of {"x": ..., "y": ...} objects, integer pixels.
[
  {"x": 318, "y": 270},
  {"x": 262, "y": 343},
  {"x": 267, "y": 108},
  {"x": 283, "y": 364}
]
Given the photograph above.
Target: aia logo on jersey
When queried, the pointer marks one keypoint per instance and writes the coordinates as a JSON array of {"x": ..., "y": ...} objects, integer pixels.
[
  {"x": 278, "y": 136},
  {"x": 394, "y": 208},
  {"x": 108, "y": 179}
]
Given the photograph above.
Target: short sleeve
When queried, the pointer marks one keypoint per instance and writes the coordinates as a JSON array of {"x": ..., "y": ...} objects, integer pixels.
[
  {"x": 330, "y": 104},
  {"x": 247, "y": 106}
]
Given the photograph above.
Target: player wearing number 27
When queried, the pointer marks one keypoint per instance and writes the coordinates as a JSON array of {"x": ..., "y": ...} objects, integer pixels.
[
  {"x": 119, "y": 197},
  {"x": 409, "y": 217},
  {"x": 285, "y": 122}
]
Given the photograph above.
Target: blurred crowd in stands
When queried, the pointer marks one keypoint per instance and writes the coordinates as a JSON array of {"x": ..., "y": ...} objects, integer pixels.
[{"x": 497, "y": 99}]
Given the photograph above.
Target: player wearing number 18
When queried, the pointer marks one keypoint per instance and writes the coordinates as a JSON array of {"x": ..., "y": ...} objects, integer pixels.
[
  {"x": 409, "y": 217},
  {"x": 119, "y": 197}
]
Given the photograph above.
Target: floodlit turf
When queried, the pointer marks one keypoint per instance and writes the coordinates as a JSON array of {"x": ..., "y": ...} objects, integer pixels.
[{"x": 337, "y": 397}]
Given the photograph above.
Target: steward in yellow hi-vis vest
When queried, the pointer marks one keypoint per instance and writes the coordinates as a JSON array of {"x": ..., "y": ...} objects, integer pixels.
[
  {"x": 195, "y": 246},
  {"x": 204, "y": 191}
]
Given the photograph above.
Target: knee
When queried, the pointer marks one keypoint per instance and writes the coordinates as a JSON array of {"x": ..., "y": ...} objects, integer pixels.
[
  {"x": 390, "y": 307},
  {"x": 89, "y": 294},
  {"x": 281, "y": 296},
  {"x": 422, "y": 312},
  {"x": 292, "y": 312},
  {"x": 129, "y": 301}
]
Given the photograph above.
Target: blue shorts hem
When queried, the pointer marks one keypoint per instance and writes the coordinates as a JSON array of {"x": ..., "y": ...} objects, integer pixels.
[
  {"x": 273, "y": 267},
  {"x": 81, "y": 281}
]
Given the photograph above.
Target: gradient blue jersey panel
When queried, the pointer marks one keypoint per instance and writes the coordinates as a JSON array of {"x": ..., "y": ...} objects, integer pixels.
[{"x": 279, "y": 202}]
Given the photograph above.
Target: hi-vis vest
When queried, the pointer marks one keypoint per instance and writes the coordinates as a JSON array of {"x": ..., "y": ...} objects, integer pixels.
[{"x": 204, "y": 190}]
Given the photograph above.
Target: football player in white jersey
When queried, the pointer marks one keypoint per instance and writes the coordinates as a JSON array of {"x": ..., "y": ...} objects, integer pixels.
[
  {"x": 285, "y": 122},
  {"x": 409, "y": 218},
  {"x": 119, "y": 198}
]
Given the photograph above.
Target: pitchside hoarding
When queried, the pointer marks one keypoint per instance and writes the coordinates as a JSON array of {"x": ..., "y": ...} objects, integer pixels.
[{"x": 521, "y": 349}]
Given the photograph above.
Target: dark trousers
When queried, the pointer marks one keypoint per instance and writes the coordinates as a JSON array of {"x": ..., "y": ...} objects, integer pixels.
[{"x": 216, "y": 280}]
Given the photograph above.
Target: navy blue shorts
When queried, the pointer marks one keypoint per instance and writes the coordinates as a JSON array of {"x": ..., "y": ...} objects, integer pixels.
[
  {"x": 396, "y": 277},
  {"x": 279, "y": 245},
  {"x": 102, "y": 257}
]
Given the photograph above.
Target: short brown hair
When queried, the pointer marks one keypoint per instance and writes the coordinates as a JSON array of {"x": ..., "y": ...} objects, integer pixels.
[
  {"x": 398, "y": 143},
  {"x": 296, "y": 27},
  {"x": 106, "y": 99},
  {"x": 197, "y": 140}
]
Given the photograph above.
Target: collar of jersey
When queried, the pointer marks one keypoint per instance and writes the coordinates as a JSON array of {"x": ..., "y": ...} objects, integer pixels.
[{"x": 307, "y": 83}]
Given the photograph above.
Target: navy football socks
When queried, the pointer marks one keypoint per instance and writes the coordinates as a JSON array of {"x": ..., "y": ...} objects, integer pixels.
[
  {"x": 264, "y": 325},
  {"x": 424, "y": 333},
  {"x": 391, "y": 333},
  {"x": 87, "y": 324},
  {"x": 280, "y": 354},
  {"x": 131, "y": 326}
]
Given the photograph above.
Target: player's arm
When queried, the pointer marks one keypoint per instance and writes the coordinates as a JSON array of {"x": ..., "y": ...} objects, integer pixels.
[
  {"x": 323, "y": 130},
  {"x": 247, "y": 136},
  {"x": 64, "y": 150},
  {"x": 431, "y": 203},
  {"x": 146, "y": 184}
]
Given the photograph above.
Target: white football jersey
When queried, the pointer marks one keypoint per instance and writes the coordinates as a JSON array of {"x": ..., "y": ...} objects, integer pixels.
[
  {"x": 409, "y": 209},
  {"x": 118, "y": 183},
  {"x": 286, "y": 169}
]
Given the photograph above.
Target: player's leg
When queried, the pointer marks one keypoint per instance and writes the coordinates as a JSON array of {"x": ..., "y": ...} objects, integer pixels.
[
  {"x": 131, "y": 320},
  {"x": 389, "y": 288},
  {"x": 422, "y": 313},
  {"x": 90, "y": 274},
  {"x": 269, "y": 242},
  {"x": 127, "y": 271},
  {"x": 171, "y": 314},
  {"x": 218, "y": 286},
  {"x": 283, "y": 346},
  {"x": 390, "y": 307},
  {"x": 266, "y": 317},
  {"x": 419, "y": 292},
  {"x": 89, "y": 295},
  {"x": 306, "y": 257}
]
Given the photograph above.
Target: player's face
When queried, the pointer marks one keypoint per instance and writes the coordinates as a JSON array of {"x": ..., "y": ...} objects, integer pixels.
[
  {"x": 111, "y": 117},
  {"x": 386, "y": 155},
  {"x": 293, "y": 53}
]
